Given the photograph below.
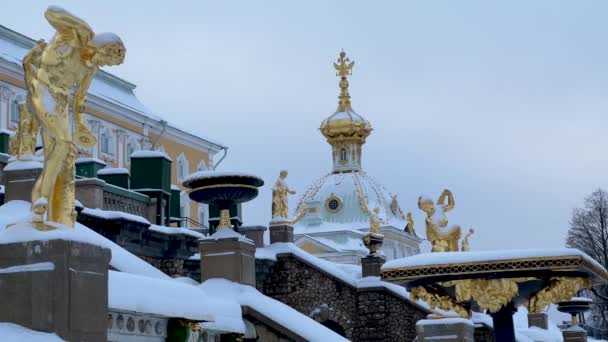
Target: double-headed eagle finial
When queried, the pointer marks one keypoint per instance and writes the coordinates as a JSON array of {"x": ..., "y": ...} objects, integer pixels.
[{"x": 344, "y": 68}]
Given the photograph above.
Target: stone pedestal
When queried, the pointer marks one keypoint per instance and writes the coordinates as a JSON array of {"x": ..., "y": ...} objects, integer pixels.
[
  {"x": 56, "y": 286},
  {"x": 371, "y": 265},
  {"x": 232, "y": 258},
  {"x": 254, "y": 233},
  {"x": 574, "y": 334},
  {"x": 89, "y": 191},
  {"x": 540, "y": 320},
  {"x": 445, "y": 330},
  {"x": 19, "y": 180},
  {"x": 281, "y": 232}
]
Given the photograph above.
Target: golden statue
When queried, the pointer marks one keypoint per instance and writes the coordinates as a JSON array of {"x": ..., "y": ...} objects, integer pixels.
[
  {"x": 410, "y": 224},
  {"x": 442, "y": 239},
  {"x": 70, "y": 60},
  {"x": 375, "y": 221},
  {"x": 465, "y": 242},
  {"x": 25, "y": 138},
  {"x": 280, "y": 203}
]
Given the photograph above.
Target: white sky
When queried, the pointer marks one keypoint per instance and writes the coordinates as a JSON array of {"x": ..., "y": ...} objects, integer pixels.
[{"x": 504, "y": 102}]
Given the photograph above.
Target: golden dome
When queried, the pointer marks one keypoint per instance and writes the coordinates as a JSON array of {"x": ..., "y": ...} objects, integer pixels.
[{"x": 345, "y": 124}]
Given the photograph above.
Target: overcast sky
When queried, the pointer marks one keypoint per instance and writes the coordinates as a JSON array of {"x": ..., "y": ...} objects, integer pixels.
[{"x": 505, "y": 103}]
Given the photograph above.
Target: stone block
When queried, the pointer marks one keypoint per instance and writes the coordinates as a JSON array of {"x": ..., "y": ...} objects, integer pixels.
[
  {"x": 371, "y": 265},
  {"x": 445, "y": 330},
  {"x": 229, "y": 258},
  {"x": 89, "y": 191},
  {"x": 540, "y": 320},
  {"x": 56, "y": 286},
  {"x": 281, "y": 232},
  {"x": 254, "y": 233},
  {"x": 19, "y": 183},
  {"x": 574, "y": 334}
]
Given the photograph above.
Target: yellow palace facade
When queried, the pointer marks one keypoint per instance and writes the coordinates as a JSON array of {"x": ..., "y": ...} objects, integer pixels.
[{"x": 122, "y": 124}]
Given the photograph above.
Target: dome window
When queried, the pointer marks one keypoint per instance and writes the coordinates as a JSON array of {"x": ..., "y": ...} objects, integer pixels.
[
  {"x": 343, "y": 155},
  {"x": 333, "y": 204}
]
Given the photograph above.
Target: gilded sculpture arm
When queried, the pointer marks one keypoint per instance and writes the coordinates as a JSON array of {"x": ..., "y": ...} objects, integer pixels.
[
  {"x": 80, "y": 97},
  {"x": 66, "y": 24},
  {"x": 32, "y": 58},
  {"x": 441, "y": 201}
]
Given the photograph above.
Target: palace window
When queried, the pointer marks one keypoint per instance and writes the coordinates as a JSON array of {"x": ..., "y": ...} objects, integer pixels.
[
  {"x": 202, "y": 166},
  {"x": 107, "y": 145},
  {"x": 184, "y": 206},
  {"x": 182, "y": 166},
  {"x": 131, "y": 148},
  {"x": 202, "y": 215},
  {"x": 15, "y": 112}
]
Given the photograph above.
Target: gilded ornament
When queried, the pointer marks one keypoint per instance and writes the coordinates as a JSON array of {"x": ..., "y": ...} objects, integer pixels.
[
  {"x": 280, "y": 202},
  {"x": 465, "y": 242},
  {"x": 489, "y": 294},
  {"x": 71, "y": 59},
  {"x": 559, "y": 289},
  {"x": 25, "y": 137},
  {"x": 410, "y": 224},
  {"x": 442, "y": 239},
  {"x": 438, "y": 301}
]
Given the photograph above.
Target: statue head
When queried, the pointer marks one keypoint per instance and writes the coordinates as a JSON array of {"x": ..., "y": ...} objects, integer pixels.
[
  {"x": 376, "y": 210},
  {"x": 283, "y": 174},
  {"x": 426, "y": 205},
  {"x": 109, "y": 49}
]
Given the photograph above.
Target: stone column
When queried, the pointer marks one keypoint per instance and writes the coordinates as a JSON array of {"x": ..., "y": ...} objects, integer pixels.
[
  {"x": 281, "y": 232},
  {"x": 231, "y": 257},
  {"x": 20, "y": 177},
  {"x": 56, "y": 286},
  {"x": 371, "y": 265},
  {"x": 254, "y": 233}
]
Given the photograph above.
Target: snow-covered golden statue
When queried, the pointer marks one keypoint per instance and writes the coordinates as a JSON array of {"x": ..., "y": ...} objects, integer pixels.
[
  {"x": 442, "y": 239},
  {"x": 71, "y": 59},
  {"x": 280, "y": 203}
]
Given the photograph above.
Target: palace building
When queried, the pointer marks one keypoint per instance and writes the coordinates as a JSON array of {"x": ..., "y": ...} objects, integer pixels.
[{"x": 122, "y": 124}]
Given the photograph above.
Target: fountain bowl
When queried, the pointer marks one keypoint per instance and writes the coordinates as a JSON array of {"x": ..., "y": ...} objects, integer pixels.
[{"x": 222, "y": 188}]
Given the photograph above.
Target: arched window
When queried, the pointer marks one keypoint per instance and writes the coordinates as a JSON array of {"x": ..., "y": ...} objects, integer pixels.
[
  {"x": 107, "y": 140},
  {"x": 15, "y": 112},
  {"x": 131, "y": 147},
  {"x": 184, "y": 205},
  {"x": 182, "y": 166},
  {"x": 343, "y": 154}
]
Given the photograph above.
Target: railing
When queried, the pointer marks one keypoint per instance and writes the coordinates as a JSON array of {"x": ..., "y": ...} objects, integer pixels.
[{"x": 191, "y": 223}]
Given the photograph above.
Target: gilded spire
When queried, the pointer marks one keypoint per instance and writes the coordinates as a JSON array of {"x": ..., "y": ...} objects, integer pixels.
[{"x": 344, "y": 68}]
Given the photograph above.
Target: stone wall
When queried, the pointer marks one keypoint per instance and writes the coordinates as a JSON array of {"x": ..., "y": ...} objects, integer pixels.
[{"x": 360, "y": 314}]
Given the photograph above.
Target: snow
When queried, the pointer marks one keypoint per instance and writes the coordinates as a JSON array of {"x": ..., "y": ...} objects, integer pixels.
[
  {"x": 90, "y": 160},
  {"x": 171, "y": 298},
  {"x": 227, "y": 233},
  {"x": 449, "y": 320},
  {"x": 175, "y": 230},
  {"x": 215, "y": 174},
  {"x": 106, "y": 38},
  {"x": 19, "y": 212},
  {"x": 442, "y": 258},
  {"x": 7, "y": 131},
  {"x": 582, "y": 299},
  {"x": 282, "y": 314},
  {"x": 15, "y": 333},
  {"x": 524, "y": 333},
  {"x": 113, "y": 215},
  {"x": 113, "y": 171},
  {"x": 40, "y": 266},
  {"x": 23, "y": 165},
  {"x": 175, "y": 187},
  {"x": 150, "y": 154}
]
